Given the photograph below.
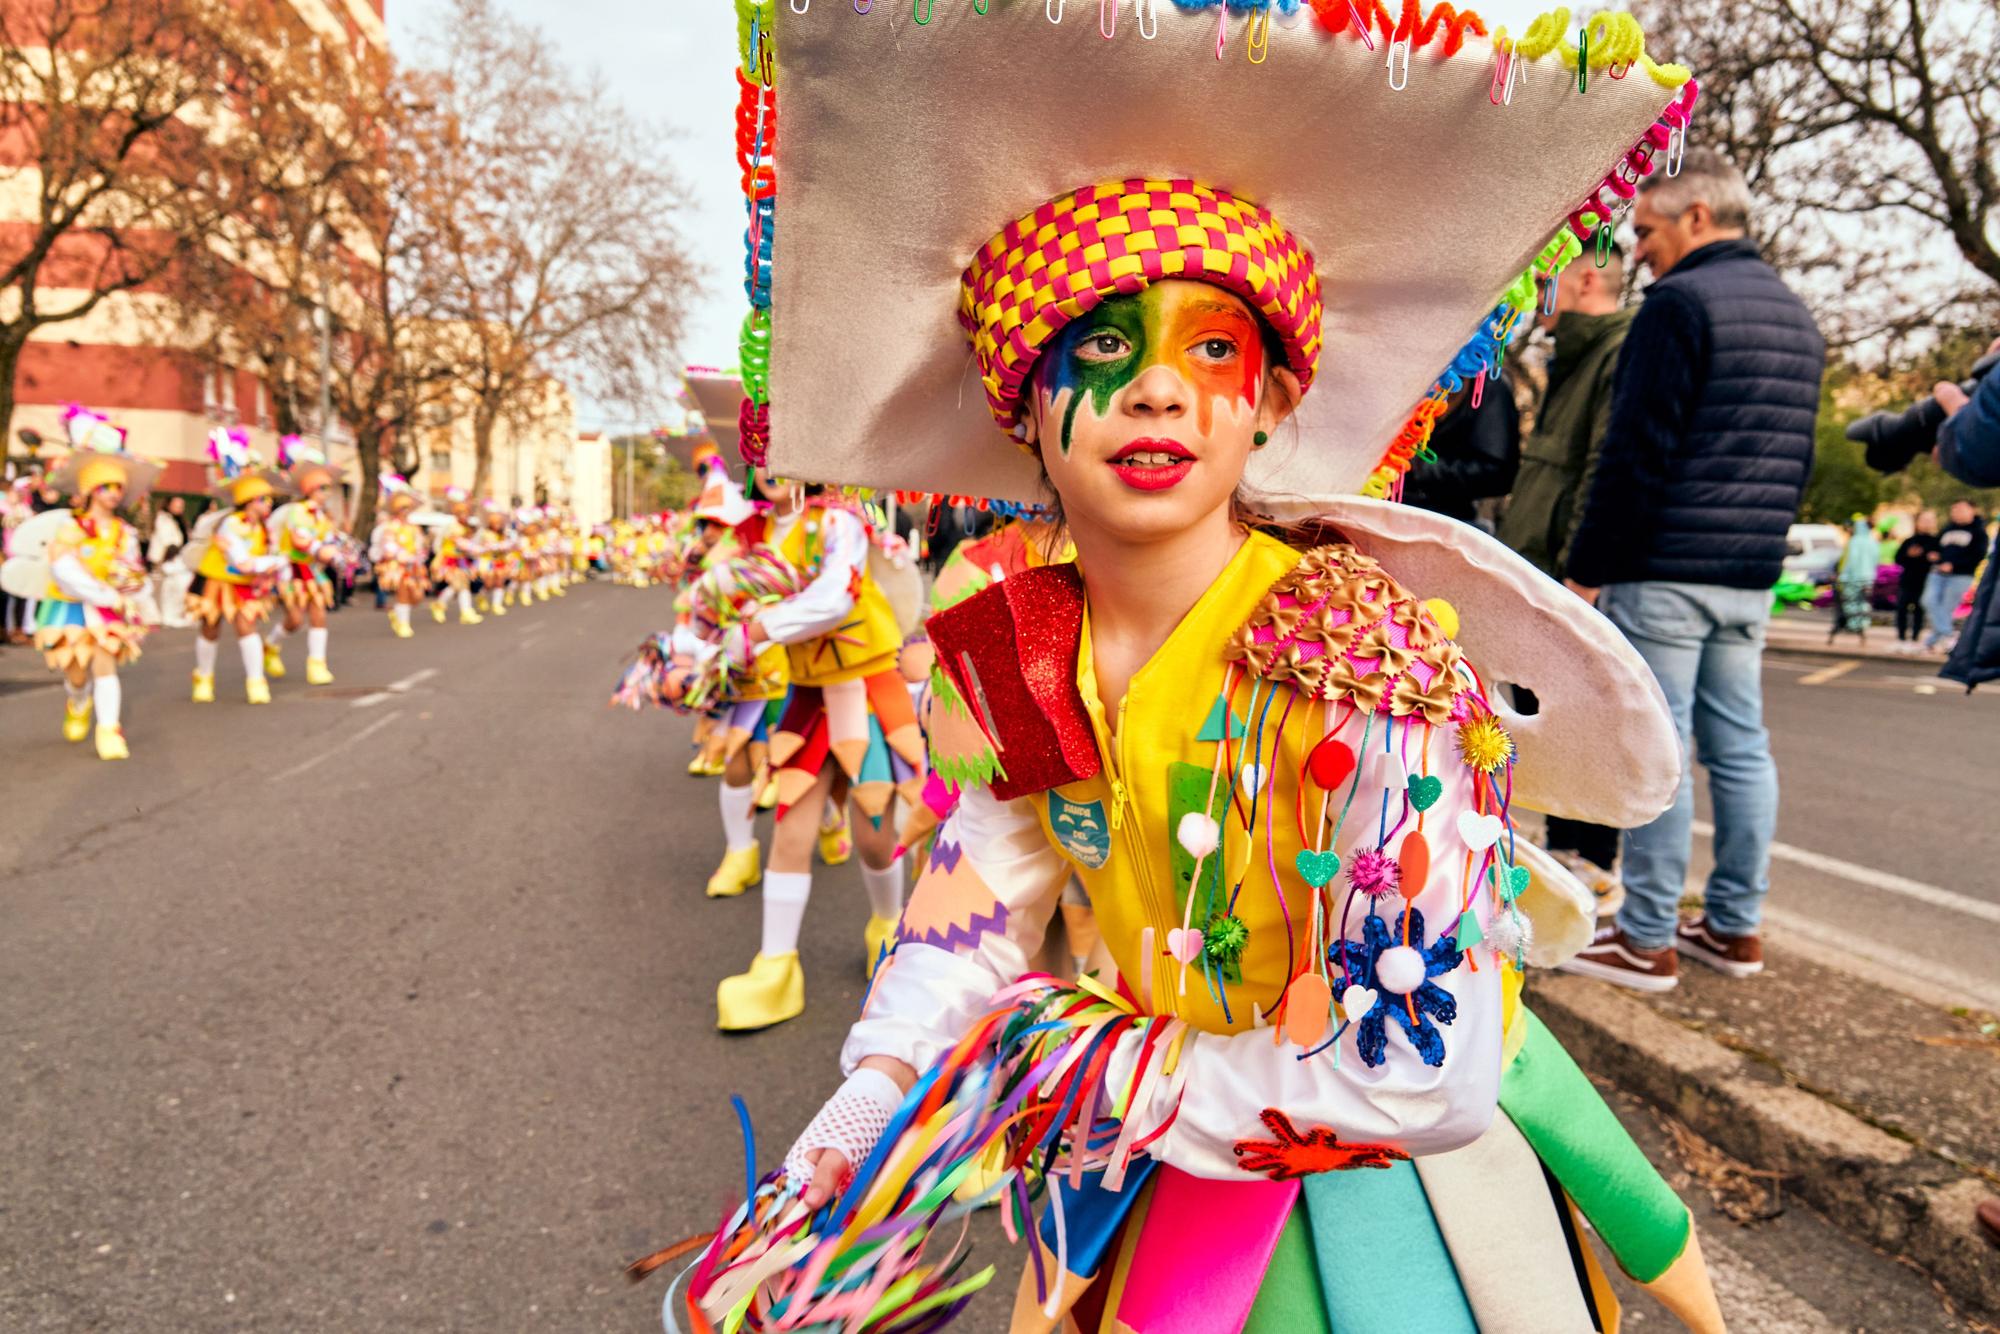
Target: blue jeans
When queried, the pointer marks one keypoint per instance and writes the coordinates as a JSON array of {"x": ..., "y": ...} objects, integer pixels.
[
  {"x": 1942, "y": 594},
  {"x": 1705, "y": 645}
]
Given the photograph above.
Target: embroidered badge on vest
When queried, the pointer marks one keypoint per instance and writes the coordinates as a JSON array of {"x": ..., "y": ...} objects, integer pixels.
[{"x": 1082, "y": 830}]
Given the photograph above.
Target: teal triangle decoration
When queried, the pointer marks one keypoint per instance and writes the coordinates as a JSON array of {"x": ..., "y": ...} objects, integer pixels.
[
  {"x": 1212, "y": 729},
  {"x": 1469, "y": 933}
]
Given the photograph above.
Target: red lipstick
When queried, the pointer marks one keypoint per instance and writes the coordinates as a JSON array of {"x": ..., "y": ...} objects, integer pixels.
[{"x": 1153, "y": 464}]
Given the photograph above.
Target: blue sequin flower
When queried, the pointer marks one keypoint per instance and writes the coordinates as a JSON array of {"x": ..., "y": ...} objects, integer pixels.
[{"x": 1431, "y": 1001}]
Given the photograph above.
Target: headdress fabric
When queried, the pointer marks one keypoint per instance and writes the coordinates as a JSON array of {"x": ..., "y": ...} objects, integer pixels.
[
  {"x": 907, "y": 144},
  {"x": 1117, "y": 238}
]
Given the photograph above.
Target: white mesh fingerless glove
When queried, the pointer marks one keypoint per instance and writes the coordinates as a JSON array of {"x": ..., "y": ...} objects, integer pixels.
[{"x": 850, "y": 1124}]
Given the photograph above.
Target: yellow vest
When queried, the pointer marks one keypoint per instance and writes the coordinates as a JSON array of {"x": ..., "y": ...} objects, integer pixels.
[
  {"x": 99, "y": 555},
  {"x": 1118, "y": 829},
  {"x": 215, "y": 561},
  {"x": 864, "y": 644},
  {"x": 303, "y": 518}
]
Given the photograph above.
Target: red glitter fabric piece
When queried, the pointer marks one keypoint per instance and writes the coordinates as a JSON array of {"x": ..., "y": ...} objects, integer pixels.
[{"x": 1021, "y": 637}]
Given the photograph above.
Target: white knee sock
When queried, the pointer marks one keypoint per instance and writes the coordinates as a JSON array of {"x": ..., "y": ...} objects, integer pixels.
[
  {"x": 885, "y": 889},
  {"x": 785, "y": 895},
  {"x": 110, "y": 698},
  {"x": 739, "y": 822},
  {"x": 204, "y": 655},
  {"x": 252, "y": 649},
  {"x": 465, "y": 599},
  {"x": 316, "y": 643},
  {"x": 400, "y": 614},
  {"x": 275, "y": 635}
]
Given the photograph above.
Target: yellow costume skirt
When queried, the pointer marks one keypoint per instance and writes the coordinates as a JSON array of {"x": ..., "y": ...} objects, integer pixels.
[{"x": 218, "y": 601}]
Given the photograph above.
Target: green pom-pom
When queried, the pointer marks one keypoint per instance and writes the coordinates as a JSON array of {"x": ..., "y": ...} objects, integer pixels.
[{"x": 1224, "y": 938}]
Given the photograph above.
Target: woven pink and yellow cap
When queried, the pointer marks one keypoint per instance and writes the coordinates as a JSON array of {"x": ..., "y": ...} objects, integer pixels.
[{"x": 1117, "y": 238}]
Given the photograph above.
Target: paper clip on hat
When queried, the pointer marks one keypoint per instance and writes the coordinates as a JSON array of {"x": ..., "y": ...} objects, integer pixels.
[
  {"x": 244, "y": 476},
  {"x": 97, "y": 457}
]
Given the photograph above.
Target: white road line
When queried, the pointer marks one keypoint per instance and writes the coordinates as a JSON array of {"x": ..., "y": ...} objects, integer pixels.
[
  {"x": 350, "y": 740},
  {"x": 1885, "y": 881},
  {"x": 1915, "y": 975},
  {"x": 394, "y": 688},
  {"x": 1825, "y": 674}
]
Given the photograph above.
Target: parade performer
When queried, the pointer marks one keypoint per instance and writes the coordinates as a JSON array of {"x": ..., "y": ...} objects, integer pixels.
[
  {"x": 453, "y": 563},
  {"x": 841, "y": 639},
  {"x": 87, "y": 572},
  {"x": 1306, "y": 1095},
  {"x": 497, "y": 558},
  {"x": 307, "y": 539},
  {"x": 396, "y": 548},
  {"x": 237, "y": 573}
]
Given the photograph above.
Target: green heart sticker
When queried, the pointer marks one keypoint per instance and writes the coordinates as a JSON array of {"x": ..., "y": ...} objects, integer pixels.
[
  {"x": 1514, "y": 880},
  {"x": 1317, "y": 868},
  {"x": 1425, "y": 790}
]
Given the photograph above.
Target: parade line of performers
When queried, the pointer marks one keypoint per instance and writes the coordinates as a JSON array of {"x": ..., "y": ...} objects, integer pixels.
[{"x": 264, "y": 565}]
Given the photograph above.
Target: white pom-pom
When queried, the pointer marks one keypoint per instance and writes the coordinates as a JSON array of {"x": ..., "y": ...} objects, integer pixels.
[
  {"x": 1400, "y": 969},
  {"x": 1197, "y": 834},
  {"x": 1509, "y": 934}
]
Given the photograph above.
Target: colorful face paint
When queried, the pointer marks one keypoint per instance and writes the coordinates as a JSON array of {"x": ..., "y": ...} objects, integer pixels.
[{"x": 1203, "y": 334}]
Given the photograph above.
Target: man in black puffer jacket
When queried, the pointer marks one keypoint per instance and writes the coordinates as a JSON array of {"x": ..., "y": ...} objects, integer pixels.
[{"x": 1683, "y": 534}]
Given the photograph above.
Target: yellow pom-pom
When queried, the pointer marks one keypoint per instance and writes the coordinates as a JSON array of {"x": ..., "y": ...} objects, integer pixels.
[
  {"x": 1484, "y": 743},
  {"x": 1444, "y": 614}
]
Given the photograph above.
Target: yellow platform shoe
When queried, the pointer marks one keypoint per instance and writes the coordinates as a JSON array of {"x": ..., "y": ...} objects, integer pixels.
[
  {"x": 316, "y": 672},
  {"x": 467, "y": 616},
  {"x": 876, "y": 936},
  {"x": 740, "y": 869},
  {"x": 836, "y": 845},
  {"x": 111, "y": 744},
  {"x": 767, "y": 798},
  {"x": 773, "y": 991},
  {"x": 697, "y": 766},
  {"x": 204, "y": 687},
  {"x": 274, "y": 662},
  {"x": 257, "y": 690},
  {"x": 401, "y": 631},
  {"x": 76, "y": 720},
  {"x": 437, "y": 611},
  {"x": 498, "y": 607}
]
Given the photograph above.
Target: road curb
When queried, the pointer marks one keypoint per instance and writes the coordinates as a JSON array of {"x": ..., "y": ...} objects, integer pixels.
[{"x": 1888, "y": 1192}]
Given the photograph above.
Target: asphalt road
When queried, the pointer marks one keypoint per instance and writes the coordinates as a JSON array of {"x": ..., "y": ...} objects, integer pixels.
[{"x": 389, "y": 1006}]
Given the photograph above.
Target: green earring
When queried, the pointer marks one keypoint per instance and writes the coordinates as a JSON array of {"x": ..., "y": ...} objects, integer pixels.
[{"x": 1259, "y": 439}]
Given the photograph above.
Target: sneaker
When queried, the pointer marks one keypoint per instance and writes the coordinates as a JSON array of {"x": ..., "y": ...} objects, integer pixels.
[
  {"x": 1604, "y": 885},
  {"x": 1738, "y": 956},
  {"x": 274, "y": 662},
  {"x": 1611, "y": 958}
]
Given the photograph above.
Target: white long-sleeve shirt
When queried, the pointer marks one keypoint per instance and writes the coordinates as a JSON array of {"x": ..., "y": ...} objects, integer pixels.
[{"x": 821, "y": 606}]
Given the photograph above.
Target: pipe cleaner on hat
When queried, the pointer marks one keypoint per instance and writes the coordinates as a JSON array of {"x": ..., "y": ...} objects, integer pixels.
[{"x": 1118, "y": 238}]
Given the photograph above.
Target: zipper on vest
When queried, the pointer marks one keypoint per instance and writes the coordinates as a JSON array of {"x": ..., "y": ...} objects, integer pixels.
[{"x": 1165, "y": 1000}]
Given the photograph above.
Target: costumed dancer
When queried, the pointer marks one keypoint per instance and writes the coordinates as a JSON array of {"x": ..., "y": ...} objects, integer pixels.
[
  {"x": 237, "y": 573},
  {"x": 847, "y": 701},
  {"x": 82, "y": 565},
  {"x": 1258, "y": 733},
  {"x": 396, "y": 548},
  {"x": 453, "y": 565},
  {"x": 311, "y": 544},
  {"x": 497, "y": 558}
]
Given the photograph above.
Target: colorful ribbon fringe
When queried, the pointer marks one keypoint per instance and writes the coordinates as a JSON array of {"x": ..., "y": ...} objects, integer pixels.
[{"x": 1023, "y": 1092}]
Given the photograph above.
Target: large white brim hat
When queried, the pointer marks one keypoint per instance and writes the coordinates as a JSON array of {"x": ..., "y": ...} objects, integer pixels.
[
  {"x": 140, "y": 474},
  {"x": 719, "y": 395},
  {"x": 903, "y": 148}
]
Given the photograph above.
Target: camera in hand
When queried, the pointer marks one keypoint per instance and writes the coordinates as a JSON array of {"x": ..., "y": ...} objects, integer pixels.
[{"x": 1895, "y": 438}]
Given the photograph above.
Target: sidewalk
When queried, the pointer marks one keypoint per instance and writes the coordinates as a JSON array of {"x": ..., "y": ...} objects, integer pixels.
[
  {"x": 1874, "y": 1109},
  {"x": 1803, "y": 630}
]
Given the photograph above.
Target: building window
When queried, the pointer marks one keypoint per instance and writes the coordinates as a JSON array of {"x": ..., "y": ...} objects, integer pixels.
[{"x": 441, "y": 462}]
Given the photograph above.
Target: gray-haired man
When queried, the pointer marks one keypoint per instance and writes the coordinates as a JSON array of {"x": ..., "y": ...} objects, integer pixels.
[{"x": 1681, "y": 538}]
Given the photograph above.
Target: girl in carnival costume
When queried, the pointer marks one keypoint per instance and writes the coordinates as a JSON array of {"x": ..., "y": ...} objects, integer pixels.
[
  {"x": 396, "y": 548},
  {"x": 85, "y": 577},
  {"x": 1306, "y": 1095},
  {"x": 497, "y": 557},
  {"x": 841, "y": 638},
  {"x": 311, "y": 544},
  {"x": 453, "y": 564},
  {"x": 239, "y": 568}
]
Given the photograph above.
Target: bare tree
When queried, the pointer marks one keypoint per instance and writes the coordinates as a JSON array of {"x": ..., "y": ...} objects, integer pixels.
[
  {"x": 117, "y": 117},
  {"x": 1869, "y": 132},
  {"x": 548, "y": 220}
]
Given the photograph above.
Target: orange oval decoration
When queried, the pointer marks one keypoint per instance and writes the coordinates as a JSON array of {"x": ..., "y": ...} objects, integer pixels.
[
  {"x": 1308, "y": 1009},
  {"x": 1414, "y": 859}
]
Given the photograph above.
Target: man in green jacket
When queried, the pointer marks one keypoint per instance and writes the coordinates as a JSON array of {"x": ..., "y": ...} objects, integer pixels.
[{"x": 1556, "y": 466}]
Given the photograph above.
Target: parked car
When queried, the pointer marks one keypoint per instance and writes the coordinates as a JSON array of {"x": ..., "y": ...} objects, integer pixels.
[{"x": 1812, "y": 550}]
